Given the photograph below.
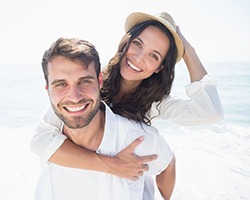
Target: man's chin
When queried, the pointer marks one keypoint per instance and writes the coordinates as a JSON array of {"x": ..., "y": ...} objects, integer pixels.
[
  {"x": 74, "y": 123},
  {"x": 78, "y": 126}
]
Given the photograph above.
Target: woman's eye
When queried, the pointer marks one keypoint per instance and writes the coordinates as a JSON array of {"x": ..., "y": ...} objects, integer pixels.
[
  {"x": 136, "y": 43},
  {"x": 154, "y": 56}
]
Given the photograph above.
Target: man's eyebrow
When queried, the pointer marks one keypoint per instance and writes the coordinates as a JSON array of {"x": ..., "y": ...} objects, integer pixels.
[
  {"x": 57, "y": 81},
  {"x": 87, "y": 77},
  {"x": 81, "y": 78}
]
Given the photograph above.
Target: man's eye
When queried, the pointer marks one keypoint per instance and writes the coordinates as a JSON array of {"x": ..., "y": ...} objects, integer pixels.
[
  {"x": 60, "y": 85},
  {"x": 83, "y": 82}
]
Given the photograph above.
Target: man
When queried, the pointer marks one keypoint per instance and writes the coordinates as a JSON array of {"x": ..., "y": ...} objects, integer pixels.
[{"x": 72, "y": 72}]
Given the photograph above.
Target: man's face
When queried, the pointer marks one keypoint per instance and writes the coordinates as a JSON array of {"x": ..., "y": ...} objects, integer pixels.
[{"x": 74, "y": 91}]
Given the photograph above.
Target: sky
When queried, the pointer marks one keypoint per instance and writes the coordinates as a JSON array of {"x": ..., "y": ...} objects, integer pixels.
[{"x": 218, "y": 30}]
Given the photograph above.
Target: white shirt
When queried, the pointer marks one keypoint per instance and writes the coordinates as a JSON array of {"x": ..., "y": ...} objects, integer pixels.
[
  {"x": 202, "y": 107},
  {"x": 62, "y": 183}
]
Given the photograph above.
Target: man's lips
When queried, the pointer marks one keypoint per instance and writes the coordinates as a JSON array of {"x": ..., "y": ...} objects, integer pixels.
[{"x": 75, "y": 109}]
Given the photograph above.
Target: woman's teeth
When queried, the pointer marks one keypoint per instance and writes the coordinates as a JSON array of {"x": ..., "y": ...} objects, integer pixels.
[{"x": 134, "y": 67}]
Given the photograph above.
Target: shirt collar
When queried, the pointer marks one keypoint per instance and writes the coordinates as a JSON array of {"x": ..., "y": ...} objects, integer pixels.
[{"x": 108, "y": 144}]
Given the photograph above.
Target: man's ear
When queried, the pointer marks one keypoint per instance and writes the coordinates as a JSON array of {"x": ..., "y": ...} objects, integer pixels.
[
  {"x": 47, "y": 87},
  {"x": 100, "y": 79},
  {"x": 159, "y": 69}
]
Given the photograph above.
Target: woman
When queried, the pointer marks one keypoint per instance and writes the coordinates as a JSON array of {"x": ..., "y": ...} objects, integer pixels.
[{"x": 137, "y": 83}]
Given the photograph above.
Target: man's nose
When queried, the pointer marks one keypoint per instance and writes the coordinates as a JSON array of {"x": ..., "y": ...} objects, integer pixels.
[{"x": 74, "y": 94}]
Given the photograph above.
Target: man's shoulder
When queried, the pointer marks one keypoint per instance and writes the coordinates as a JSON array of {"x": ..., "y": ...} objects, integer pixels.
[
  {"x": 133, "y": 125},
  {"x": 126, "y": 125}
]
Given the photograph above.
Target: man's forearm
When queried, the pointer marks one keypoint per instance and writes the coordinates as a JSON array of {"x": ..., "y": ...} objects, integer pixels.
[{"x": 166, "y": 180}]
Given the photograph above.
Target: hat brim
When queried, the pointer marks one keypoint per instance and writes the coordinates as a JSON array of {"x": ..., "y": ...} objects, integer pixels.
[{"x": 138, "y": 17}]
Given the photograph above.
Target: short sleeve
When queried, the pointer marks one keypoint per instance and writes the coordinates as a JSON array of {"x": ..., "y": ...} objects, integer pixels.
[
  {"x": 47, "y": 136},
  {"x": 155, "y": 144}
]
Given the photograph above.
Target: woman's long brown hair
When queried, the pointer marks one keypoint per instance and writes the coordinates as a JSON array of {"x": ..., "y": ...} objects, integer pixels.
[{"x": 137, "y": 103}]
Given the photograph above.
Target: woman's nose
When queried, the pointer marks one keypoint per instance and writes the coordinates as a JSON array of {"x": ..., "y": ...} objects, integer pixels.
[{"x": 139, "y": 57}]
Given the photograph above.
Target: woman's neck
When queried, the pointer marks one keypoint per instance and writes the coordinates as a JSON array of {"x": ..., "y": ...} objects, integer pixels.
[{"x": 126, "y": 88}]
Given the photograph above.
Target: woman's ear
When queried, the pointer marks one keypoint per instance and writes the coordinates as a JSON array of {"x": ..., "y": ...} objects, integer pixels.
[{"x": 159, "y": 69}]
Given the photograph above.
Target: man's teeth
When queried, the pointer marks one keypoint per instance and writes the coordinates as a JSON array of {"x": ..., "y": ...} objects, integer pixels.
[
  {"x": 75, "y": 109},
  {"x": 134, "y": 67}
]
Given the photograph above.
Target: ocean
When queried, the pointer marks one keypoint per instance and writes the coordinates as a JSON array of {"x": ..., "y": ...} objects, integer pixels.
[{"x": 213, "y": 161}]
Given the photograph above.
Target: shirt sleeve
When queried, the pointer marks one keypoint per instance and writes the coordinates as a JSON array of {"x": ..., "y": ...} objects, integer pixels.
[
  {"x": 203, "y": 105},
  {"x": 47, "y": 137},
  {"x": 154, "y": 143}
]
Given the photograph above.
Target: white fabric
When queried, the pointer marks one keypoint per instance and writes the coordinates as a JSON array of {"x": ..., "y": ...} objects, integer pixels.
[
  {"x": 62, "y": 183},
  {"x": 48, "y": 136},
  {"x": 202, "y": 107}
]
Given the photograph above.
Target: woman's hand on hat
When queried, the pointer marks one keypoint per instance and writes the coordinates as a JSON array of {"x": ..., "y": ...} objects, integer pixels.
[
  {"x": 193, "y": 63},
  {"x": 186, "y": 44}
]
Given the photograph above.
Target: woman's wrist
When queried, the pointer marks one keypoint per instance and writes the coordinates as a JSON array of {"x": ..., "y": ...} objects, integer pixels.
[
  {"x": 194, "y": 65},
  {"x": 108, "y": 164}
]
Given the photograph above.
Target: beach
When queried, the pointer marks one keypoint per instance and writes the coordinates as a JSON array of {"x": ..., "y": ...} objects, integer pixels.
[{"x": 212, "y": 160}]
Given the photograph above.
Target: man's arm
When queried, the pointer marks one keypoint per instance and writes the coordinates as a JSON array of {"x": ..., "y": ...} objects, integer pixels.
[
  {"x": 166, "y": 180},
  {"x": 164, "y": 166}
]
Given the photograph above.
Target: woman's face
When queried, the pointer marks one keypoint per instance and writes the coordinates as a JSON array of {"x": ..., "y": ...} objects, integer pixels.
[{"x": 145, "y": 55}]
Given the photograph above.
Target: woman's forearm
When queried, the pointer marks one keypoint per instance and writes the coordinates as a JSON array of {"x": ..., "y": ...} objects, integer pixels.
[
  {"x": 74, "y": 156},
  {"x": 125, "y": 164},
  {"x": 195, "y": 67},
  {"x": 51, "y": 145}
]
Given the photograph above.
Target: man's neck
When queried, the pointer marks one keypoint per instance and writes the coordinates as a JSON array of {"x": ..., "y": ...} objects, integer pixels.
[{"x": 89, "y": 136}]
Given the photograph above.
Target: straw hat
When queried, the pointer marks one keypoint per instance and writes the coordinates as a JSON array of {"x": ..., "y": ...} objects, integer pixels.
[{"x": 164, "y": 18}]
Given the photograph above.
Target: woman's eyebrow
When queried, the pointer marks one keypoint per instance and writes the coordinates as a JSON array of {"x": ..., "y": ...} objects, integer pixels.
[{"x": 153, "y": 50}]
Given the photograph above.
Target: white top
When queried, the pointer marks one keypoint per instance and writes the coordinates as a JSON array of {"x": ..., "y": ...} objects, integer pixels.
[
  {"x": 202, "y": 107},
  {"x": 62, "y": 183}
]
